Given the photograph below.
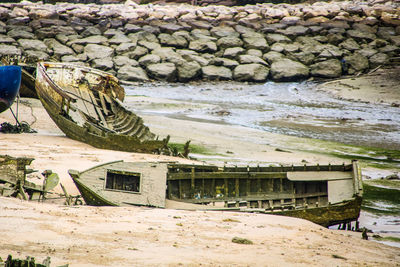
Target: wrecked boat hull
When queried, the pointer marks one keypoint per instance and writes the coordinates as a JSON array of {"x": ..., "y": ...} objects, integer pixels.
[
  {"x": 84, "y": 103},
  {"x": 326, "y": 195}
]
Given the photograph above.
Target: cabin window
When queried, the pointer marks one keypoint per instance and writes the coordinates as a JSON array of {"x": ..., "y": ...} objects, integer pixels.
[{"x": 123, "y": 181}]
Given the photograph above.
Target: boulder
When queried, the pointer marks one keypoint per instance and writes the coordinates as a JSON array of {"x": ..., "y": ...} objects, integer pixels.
[
  {"x": 349, "y": 44},
  {"x": 4, "y": 39},
  {"x": 125, "y": 47},
  {"x": 216, "y": 73},
  {"x": 129, "y": 73},
  {"x": 203, "y": 45},
  {"x": 137, "y": 53},
  {"x": 273, "y": 56},
  {"x": 162, "y": 71},
  {"x": 223, "y": 31},
  {"x": 58, "y": 48},
  {"x": 288, "y": 70},
  {"x": 304, "y": 57},
  {"x": 233, "y": 52},
  {"x": 249, "y": 59},
  {"x": 9, "y": 50},
  {"x": 149, "y": 45},
  {"x": 169, "y": 55},
  {"x": 120, "y": 61},
  {"x": 95, "y": 39},
  {"x": 105, "y": 63},
  {"x": 331, "y": 68},
  {"x": 356, "y": 63},
  {"x": 91, "y": 30},
  {"x": 18, "y": 34},
  {"x": 255, "y": 43},
  {"x": 35, "y": 55},
  {"x": 199, "y": 59},
  {"x": 172, "y": 40},
  {"x": 367, "y": 52},
  {"x": 229, "y": 41},
  {"x": 251, "y": 72},
  {"x": 119, "y": 39},
  {"x": 29, "y": 44},
  {"x": 94, "y": 51},
  {"x": 277, "y": 38},
  {"x": 188, "y": 71},
  {"x": 378, "y": 59},
  {"x": 361, "y": 35},
  {"x": 149, "y": 59},
  {"x": 294, "y": 31}
]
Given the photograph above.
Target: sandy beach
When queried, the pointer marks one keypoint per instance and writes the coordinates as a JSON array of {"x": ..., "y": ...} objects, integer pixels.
[{"x": 105, "y": 236}]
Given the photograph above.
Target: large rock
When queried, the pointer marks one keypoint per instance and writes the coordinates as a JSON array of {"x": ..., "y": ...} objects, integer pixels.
[
  {"x": 233, "y": 52},
  {"x": 216, "y": 73},
  {"x": 356, "y": 63},
  {"x": 277, "y": 38},
  {"x": 361, "y": 35},
  {"x": 29, "y": 44},
  {"x": 203, "y": 45},
  {"x": 251, "y": 72},
  {"x": 273, "y": 56},
  {"x": 103, "y": 63},
  {"x": 223, "y": 31},
  {"x": 162, "y": 71},
  {"x": 229, "y": 41},
  {"x": 249, "y": 59},
  {"x": 149, "y": 59},
  {"x": 327, "y": 69},
  {"x": 288, "y": 70},
  {"x": 138, "y": 52},
  {"x": 95, "y": 39},
  {"x": 9, "y": 50},
  {"x": 172, "y": 40},
  {"x": 255, "y": 43},
  {"x": 188, "y": 71},
  {"x": 35, "y": 55},
  {"x": 120, "y": 61},
  {"x": 119, "y": 39},
  {"x": 98, "y": 51},
  {"x": 58, "y": 48},
  {"x": 4, "y": 39},
  {"x": 17, "y": 34},
  {"x": 378, "y": 59},
  {"x": 168, "y": 54},
  {"x": 129, "y": 73}
]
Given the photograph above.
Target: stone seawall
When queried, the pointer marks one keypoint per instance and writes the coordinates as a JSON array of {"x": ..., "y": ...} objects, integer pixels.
[{"x": 183, "y": 42}]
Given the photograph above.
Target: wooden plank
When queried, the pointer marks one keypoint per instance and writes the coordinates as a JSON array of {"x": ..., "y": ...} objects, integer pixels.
[
  {"x": 319, "y": 176},
  {"x": 227, "y": 175},
  {"x": 98, "y": 110},
  {"x": 269, "y": 197}
]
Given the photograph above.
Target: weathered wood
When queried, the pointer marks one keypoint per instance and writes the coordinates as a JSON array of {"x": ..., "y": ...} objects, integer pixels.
[{"x": 227, "y": 175}]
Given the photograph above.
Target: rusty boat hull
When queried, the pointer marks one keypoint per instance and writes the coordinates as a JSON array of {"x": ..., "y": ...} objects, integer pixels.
[{"x": 86, "y": 105}]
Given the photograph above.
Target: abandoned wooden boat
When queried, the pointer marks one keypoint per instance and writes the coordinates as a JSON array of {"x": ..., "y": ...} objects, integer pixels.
[
  {"x": 10, "y": 81},
  {"x": 324, "y": 194},
  {"x": 85, "y": 105}
]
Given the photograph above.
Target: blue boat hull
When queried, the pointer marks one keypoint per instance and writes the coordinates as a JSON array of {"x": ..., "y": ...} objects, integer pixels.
[{"x": 10, "y": 81}]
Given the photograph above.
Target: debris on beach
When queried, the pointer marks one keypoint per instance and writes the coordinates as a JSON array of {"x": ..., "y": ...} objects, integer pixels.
[{"x": 14, "y": 183}]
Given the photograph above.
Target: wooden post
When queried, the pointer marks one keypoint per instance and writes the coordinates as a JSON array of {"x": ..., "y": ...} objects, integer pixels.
[{"x": 67, "y": 197}]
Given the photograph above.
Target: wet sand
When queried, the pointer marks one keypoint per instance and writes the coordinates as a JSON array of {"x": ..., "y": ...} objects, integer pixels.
[{"x": 93, "y": 236}]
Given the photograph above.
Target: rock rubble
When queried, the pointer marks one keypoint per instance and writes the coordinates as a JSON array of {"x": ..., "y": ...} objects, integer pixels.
[{"x": 180, "y": 42}]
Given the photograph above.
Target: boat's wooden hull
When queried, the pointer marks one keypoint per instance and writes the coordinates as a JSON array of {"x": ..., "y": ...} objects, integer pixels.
[
  {"x": 59, "y": 104},
  {"x": 249, "y": 192}
]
